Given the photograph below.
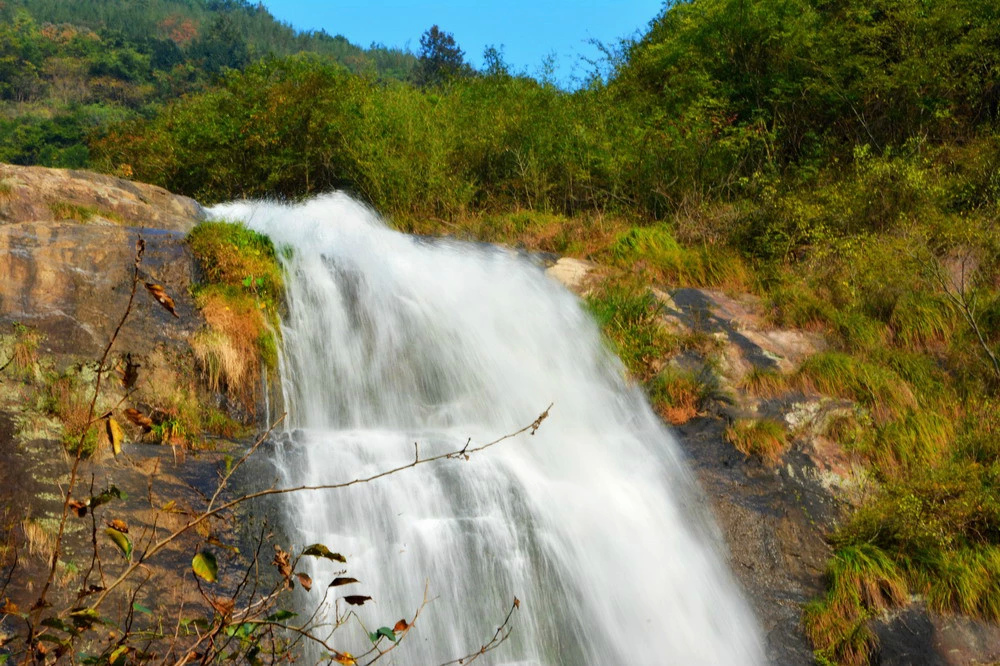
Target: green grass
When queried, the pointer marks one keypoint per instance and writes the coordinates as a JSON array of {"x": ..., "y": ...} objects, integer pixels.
[
  {"x": 627, "y": 313},
  {"x": 232, "y": 255},
  {"x": 655, "y": 250},
  {"x": 765, "y": 382},
  {"x": 921, "y": 320},
  {"x": 862, "y": 581},
  {"x": 63, "y": 210}
]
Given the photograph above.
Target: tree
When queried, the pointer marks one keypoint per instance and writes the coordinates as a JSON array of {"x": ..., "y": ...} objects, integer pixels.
[{"x": 440, "y": 58}]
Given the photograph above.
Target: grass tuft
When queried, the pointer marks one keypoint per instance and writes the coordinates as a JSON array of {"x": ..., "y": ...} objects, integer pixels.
[
  {"x": 63, "y": 210},
  {"x": 764, "y": 439},
  {"x": 628, "y": 315},
  {"x": 676, "y": 395},
  {"x": 765, "y": 383},
  {"x": 656, "y": 250}
]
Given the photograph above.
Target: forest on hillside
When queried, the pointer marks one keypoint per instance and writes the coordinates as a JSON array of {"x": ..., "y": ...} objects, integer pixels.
[
  {"x": 70, "y": 69},
  {"x": 839, "y": 159}
]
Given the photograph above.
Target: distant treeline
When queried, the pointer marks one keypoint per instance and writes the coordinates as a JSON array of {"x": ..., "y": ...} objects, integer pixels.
[{"x": 720, "y": 100}]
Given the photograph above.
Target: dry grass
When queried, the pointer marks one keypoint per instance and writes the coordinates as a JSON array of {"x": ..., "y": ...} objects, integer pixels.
[
  {"x": 764, "y": 439},
  {"x": 229, "y": 350},
  {"x": 676, "y": 396},
  {"x": 24, "y": 351},
  {"x": 40, "y": 543}
]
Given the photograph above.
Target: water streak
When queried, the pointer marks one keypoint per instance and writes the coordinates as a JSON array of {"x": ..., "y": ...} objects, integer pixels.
[{"x": 592, "y": 522}]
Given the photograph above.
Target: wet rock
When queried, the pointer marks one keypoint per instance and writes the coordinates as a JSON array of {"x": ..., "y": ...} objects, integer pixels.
[{"x": 914, "y": 635}]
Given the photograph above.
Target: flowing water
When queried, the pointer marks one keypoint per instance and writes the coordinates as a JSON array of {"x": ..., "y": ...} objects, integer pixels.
[{"x": 592, "y": 522}]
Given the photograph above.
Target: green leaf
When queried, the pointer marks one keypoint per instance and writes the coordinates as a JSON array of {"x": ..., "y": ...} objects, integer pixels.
[
  {"x": 117, "y": 657},
  {"x": 85, "y": 618},
  {"x": 242, "y": 630},
  {"x": 112, "y": 492},
  {"x": 139, "y": 608},
  {"x": 319, "y": 550},
  {"x": 205, "y": 566},
  {"x": 121, "y": 540},
  {"x": 56, "y": 623},
  {"x": 382, "y": 631},
  {"x": 281, "y": 616}
]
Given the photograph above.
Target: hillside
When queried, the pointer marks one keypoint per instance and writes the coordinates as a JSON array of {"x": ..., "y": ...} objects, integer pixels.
[{"x": 68, "y": 69}]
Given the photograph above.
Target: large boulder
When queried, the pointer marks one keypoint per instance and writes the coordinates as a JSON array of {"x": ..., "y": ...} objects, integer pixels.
[{"x": 67, "y": 245}]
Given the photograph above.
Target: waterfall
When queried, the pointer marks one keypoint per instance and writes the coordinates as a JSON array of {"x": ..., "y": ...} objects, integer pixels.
[{"x": 593, "y": 523}]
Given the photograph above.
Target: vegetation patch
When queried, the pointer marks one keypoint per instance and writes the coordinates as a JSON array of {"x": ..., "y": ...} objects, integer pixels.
[
  {"x": 655, "y": 250},
  {"x": 677, "y": 396},
  {"x": 764, "y": 439},
  {"x": 239, "y": 299},
  {"x": 628, "y": 313},
  {"x": 765, "y": 382},
  {"x": 63, "y": 210}
]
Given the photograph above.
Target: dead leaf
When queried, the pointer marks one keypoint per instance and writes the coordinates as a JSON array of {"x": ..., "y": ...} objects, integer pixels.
[
  {"x": 224, "y": 606},
  {"x": 119, "y": 525},
  {"x": 517, "y": 602},
  {"x": 115, "y": 434},
  {"x": 282, "y": 561},
  {"x": 344, "y": 658},
  {"x": 159, "y": 293},
  {"x": 131, "y": 372},
  {"x": 140, "y": 419},
  {"x": 8, "y": 608},
  {"x": 304, "y": 580},
  {"x": 342, "y": 581},
  {"x": 79, "y": 507},
  {"x": 356, "y": 599},
  {"x": 400, "y": 626}
]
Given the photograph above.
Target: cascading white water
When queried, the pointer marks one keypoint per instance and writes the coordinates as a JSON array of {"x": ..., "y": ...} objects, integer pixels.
[{"x": 592, "y": 522}]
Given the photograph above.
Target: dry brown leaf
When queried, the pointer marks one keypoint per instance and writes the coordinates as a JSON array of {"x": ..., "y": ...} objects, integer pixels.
[
  {"x": 119, "y": 525},
  {"x": 304, "y": 580},
  {"x": 131, "y": 372},
  {"x": 79, "y": 507},
  {"x": 356, "y": 599},
  {"x": 224, "y": 606},
  {"x": 159, "y": 293},
  {"x": 140, "y": 419},
  {"x": 400, "y": 626},
  {"x": 282, "y": 562}
]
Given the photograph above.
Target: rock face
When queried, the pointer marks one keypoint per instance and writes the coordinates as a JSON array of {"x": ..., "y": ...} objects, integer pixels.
[
  {"x": 33, "y": 194},
  {"x": 67, "y": 251},
  {"x": 67, "y": 243}
]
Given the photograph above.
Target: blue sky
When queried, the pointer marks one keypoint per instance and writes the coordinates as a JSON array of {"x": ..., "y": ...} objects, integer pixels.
[{"x": 528, "y": 30}]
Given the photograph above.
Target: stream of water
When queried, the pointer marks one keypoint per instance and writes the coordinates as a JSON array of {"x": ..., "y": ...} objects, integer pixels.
[{"x": 593, "y": 523}]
